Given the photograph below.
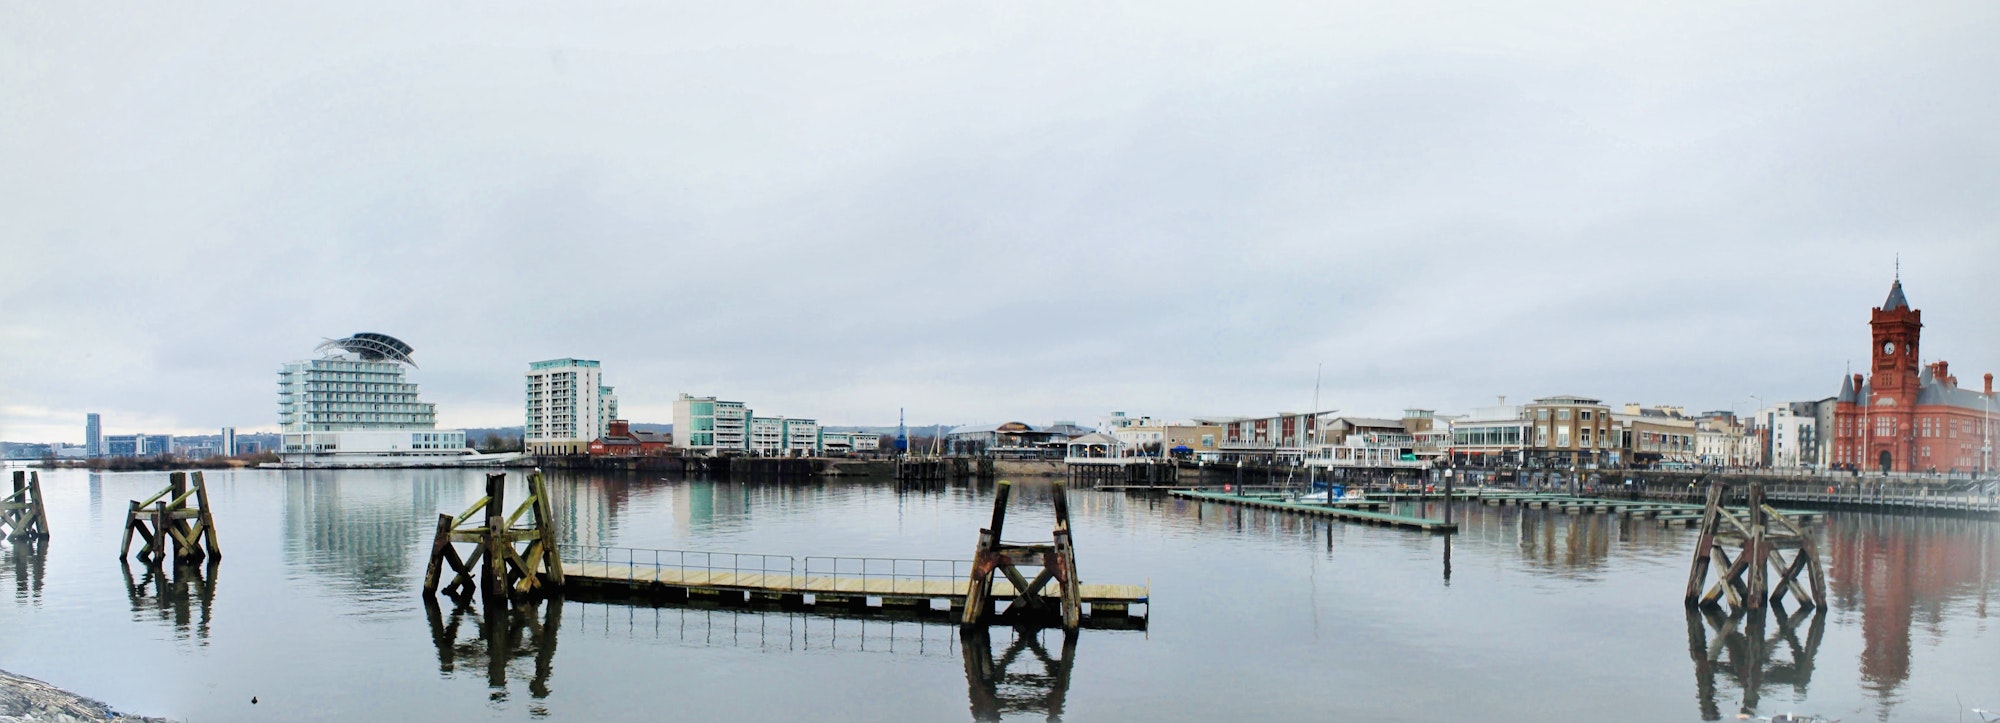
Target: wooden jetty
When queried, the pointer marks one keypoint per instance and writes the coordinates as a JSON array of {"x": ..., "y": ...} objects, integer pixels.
[
  {"x": 1123, "y": 473},
  {"x": 1667, "y": 514},
  {"x": 832, "y": 584},
  {"x": 1337, "y": 510},
  {"x": 22, "y": 516},
  {"x": 175, "y": 521},
  {"x": 496, "y": 566},
  {"x": 1759, "y": 536}
]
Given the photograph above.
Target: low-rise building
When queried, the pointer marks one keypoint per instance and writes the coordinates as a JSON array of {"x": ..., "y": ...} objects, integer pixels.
[
  {"x": 845, "y": 443},
  {"x": 1570, "y": 431},
  {"x": 1177, "y": 439},
  {"x": 620, "y": 440},
  {"x": 1656, "y": 437},
  {"x": 709, "y": 426},
  {"x": 1495, "y": 436}
]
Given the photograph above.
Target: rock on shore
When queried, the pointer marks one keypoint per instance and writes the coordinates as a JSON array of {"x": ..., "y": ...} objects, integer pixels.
[{"x": 25, "y": 699}]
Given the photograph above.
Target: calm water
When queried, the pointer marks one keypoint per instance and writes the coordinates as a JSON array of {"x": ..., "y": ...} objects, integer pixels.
[{"x": 1526, "y": 615}]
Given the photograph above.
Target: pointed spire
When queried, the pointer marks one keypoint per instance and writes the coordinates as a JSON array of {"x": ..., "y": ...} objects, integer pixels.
[
  {"x": 1896, "y": 300},
  {"x": 1846, "y": 389}
]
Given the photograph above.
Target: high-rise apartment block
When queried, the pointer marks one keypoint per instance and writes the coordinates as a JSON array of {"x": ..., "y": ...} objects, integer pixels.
[
  {"x": 227, "y": 447},
  {"x": 568, "y": 406},
  {"x": 93, "y": 436}
]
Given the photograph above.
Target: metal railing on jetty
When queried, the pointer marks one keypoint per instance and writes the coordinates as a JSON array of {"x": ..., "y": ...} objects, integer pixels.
[{"x": 913, "y": 585}]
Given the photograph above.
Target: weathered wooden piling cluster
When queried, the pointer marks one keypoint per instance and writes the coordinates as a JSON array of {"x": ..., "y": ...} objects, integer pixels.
[
  {"x": 497, "y": 566},
  {"x": 175, "y": 522},
  {"x": 1056, "y": 558},
  {"x": 1758, "y": 535},
  {"x": 22, "y": 516}
]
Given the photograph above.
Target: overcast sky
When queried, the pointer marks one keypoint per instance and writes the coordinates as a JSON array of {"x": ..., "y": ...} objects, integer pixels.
[{"x": 988, "y": 212}]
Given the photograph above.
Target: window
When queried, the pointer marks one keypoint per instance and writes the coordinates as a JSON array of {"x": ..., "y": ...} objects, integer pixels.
[
  {"x": 1562, "y": 414},
  {"x": 1542, "y": 435},
  {"x": 1585, "y": 432},
  {"x": 1562, "y": 436},
  {"x": 1542, "y": 414},
  {"x": 1584, "y": 415}
]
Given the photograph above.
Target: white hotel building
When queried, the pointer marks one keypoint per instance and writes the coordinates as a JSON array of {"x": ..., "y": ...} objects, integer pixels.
[
  {"x": 354, "y": 407},
  {"x": 568, "y": 406}
]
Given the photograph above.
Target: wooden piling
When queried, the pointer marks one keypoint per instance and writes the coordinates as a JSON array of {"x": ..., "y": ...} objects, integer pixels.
[
  {"x": 1760, "y": 538},
  {"x": 497, "y": 569},
  {"x": 22, "y": 514},
  {"x": 175, "y": 522},
  {"x": 1057, "y": 560}
]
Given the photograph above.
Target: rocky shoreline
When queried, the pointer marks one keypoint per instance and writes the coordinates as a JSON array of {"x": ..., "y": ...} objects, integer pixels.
[{"x": 25, "y": 699}]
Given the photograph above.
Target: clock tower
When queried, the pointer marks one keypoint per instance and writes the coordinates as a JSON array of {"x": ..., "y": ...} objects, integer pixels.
[{"x": 1893, "y": 383}]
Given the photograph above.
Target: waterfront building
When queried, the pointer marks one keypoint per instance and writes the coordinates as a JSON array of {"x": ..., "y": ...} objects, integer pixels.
[
  {"x": 1907, "y": 416},
  {"x": 227, "y": 445},
  {"x": 802, "y": 437},
  {"x": 710, "y": 426},
  {"x": 1008, "y": 439},
  {"x": 1656, "y": 437},
  {"x": 838, "y": 443},
  {"x": 354, "y": 406},
  {"x": 620, "y": 440},
  {"x": 93, "y": 436},
  {"x": 1495, "y": 436},
  {"x": 568, "y": 406},
  {"x": 138, "y": 445},
  {"x": 1571, "y": 431},
  {"x": 1786, "y": 436}
]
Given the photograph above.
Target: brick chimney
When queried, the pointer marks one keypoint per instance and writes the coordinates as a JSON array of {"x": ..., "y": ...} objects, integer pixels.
[
  {"x": 619, "y": 428},
  {"x": 1989, "y": 383}
]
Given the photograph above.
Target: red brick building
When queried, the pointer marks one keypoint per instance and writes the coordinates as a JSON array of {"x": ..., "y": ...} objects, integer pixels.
[
  {"x": 621, "y": 441},
  {"x": 1907, "y": 416}
]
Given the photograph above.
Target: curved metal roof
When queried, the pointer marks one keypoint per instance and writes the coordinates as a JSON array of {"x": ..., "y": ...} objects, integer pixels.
[{"x": 371, "y": 346}]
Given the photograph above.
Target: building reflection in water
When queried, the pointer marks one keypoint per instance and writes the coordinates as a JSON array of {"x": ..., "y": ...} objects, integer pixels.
[
  {"x": 1012, "y": 683},
  {"x": 361, "y": 526},
  {"x": 183, "y": 597},
  {"x": 502, "y": 636},
  {"x": 1743, "y": 648},
  {"x": 27, "y": 559},
  {"x": 1902, "y": 571}
]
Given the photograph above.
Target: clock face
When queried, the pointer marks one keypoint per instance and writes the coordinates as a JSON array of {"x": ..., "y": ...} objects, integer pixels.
[{"x": 1888, "y": 347}]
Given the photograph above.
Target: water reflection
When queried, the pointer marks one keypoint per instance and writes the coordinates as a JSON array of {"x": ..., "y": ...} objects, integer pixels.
[
  {"x": 1738, "y": 648},
  {"x": 502, "y": 635},
  {"x": 183, "y": 598},
  {"x": 1901, "y": 572},
  {"x": 996, "y": 689},
  {"x": 362, "y": 534},
  {"x": 28, "y": 559}
]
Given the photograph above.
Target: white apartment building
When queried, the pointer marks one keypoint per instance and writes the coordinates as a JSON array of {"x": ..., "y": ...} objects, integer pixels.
[
  {"x": 1787, "y": 438},
  {"x": 568, "y": 406},
  {"x": 849, "y": 442},
  {"x": 709, "y": 426}
]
